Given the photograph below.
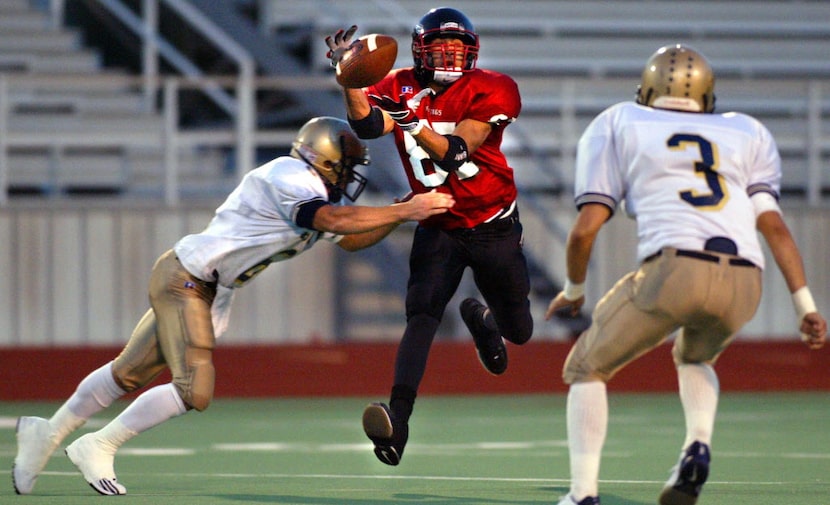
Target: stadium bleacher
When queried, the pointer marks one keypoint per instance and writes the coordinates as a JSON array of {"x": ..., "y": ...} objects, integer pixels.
[
  {"x": 73, "y": 125},
  {"x": 577, "y": 57},
  {"x": 569, "y": 57}
]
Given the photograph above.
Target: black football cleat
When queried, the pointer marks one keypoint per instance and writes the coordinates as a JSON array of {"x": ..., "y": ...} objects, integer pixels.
[
  {"x": 588, "y": 500},
  {"x": 490, "y": 346},
  {"x": 688, "y": 476},
  {"x": 387, "y": 433}
]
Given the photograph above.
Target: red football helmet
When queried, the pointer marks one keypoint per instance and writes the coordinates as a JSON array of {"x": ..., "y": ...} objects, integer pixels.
[{"x": 442, "y": 62}]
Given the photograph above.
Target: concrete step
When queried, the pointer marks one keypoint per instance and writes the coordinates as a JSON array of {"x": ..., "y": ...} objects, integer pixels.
[
  {"x": 68, "y": 103},
  {"x": 37, "y": 41},
  {"x": 23, "y": 20},
  {"x": 14, "y": 6},
  {"x": 77, "y": 62}
]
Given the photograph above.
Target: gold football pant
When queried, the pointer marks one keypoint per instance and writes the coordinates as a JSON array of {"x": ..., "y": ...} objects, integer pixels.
[
  {"x": 177, "y": 332},
  {"x": 708, "y": 301}
]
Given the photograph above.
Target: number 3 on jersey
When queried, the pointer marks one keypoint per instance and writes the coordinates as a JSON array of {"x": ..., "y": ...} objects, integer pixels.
[
  {"x": 705, "y": 167},
  {"x": 424, "y": 169}
]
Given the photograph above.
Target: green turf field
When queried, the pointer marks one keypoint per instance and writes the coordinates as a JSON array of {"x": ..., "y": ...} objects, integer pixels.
[{"x": 769, "y": 449}]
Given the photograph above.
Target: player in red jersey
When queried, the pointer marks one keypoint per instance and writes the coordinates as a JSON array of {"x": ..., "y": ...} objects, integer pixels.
[{"x": 448, "y": 118}]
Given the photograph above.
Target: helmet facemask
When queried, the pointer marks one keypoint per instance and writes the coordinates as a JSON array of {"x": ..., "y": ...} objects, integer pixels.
[
  {"x": 333, "y": 150},
  {"x": 678, "y": 77},
  {"x": 349, "y": 182}
]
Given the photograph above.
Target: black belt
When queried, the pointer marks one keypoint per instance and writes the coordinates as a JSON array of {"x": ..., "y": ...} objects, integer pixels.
[
  {"x": 501, "y": 223},
  {"x": 700, "y": 255}
]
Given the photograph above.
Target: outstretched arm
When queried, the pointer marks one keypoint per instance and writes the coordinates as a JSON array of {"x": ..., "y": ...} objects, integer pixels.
[
  {"x": 813, "y": 327},
  {"x": 364, "y": 226}
]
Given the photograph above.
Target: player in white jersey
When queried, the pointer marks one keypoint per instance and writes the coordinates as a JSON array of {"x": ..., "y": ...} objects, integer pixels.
[
  {"x": 278, "y": 211},
  {"x": 699, "y": 185}
]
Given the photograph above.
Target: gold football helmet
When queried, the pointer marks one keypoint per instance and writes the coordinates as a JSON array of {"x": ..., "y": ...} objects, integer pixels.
[
  {"x": 329, "y": 145},
  {"x": 680, "y": 78}
]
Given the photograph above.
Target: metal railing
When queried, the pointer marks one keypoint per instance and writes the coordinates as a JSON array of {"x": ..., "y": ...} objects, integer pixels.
[
  {"x": 167, "y": 138},
  {"x": 153, "y": 46},
  {"x": 550, "y": 146}
]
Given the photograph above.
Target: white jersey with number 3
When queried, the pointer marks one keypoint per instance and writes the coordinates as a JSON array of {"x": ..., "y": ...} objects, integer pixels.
[{"x": 686, "y": 177}]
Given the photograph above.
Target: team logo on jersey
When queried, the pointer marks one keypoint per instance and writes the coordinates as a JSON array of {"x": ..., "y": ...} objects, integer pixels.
[{"x": 407, "y": 89}]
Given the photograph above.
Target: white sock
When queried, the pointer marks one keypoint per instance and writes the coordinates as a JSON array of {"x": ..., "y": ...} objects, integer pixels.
[
  {"x": 63, "y": 422},
  {"x": 699, "y": 389},
  {"x": 114, "y": 435},
  {"x": 587, "y": 425},
  {"x": 95, "y": 393},
  {"x": 152, "y": 408}
]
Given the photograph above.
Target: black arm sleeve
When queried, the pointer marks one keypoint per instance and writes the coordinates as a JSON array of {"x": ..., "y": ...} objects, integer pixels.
[
  {"x": 456, "y": 154},
  {"x": 370, "y": 127},
  {"x": 304, "y": 216}
]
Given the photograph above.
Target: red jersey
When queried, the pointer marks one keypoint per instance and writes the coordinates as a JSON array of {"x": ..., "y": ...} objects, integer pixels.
[{"x": 482, "y": 187}]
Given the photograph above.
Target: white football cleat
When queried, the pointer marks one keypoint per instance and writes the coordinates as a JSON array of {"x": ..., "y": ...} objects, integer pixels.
[
  {"x": 95, "y": 461},
  {"x": 34, "y": 447}
]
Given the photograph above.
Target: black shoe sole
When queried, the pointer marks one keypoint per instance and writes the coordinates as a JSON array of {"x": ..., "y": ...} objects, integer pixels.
[
  {"x": 672, "y": 496},
  {"x": 378, "y": 427},
  {"x": 376, "y": 422}
]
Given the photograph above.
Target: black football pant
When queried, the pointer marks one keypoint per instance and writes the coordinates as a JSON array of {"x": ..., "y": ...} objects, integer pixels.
[{"x": 437, "y": 262}]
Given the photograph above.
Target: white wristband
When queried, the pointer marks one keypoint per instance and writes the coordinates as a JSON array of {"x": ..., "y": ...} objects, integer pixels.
[
  {"x": 417, "y": 129},
  {"x": 804, "y": 303},
  {"x": 573, "y": 292}
]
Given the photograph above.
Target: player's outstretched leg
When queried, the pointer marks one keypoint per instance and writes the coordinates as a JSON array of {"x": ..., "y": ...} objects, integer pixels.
[
  {"x": 490, "y": 346},
  {"x": 387, "y": 433}
]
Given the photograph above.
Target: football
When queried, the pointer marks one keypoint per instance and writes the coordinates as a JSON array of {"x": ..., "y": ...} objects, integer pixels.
[{"x": 367, "y": 61}]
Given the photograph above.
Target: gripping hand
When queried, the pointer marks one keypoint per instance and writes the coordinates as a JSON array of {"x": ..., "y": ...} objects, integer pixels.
[
  {"x": 339, "y": 43},
  {"x": 402, "y": 111}
]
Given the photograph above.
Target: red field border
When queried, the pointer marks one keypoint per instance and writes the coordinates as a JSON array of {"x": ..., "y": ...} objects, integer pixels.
[{"x": 51, "y": 373}]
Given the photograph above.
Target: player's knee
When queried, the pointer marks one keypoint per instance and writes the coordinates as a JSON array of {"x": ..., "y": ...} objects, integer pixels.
[
  {"x": 196, "y": 389},
  {"x": 518, "y": 338},
  {"x": 574, "y": 372},
  {"x": 128, "y": 383},
  {"x": 132, "y": 380},
  {"x": 520, "y": 333},
  {"x": 198, "y": 394},
  {"x": 694, "y": 356}
]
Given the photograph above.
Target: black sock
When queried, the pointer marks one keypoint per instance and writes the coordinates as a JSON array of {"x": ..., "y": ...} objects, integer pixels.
[{"x": 402, "y": 401}]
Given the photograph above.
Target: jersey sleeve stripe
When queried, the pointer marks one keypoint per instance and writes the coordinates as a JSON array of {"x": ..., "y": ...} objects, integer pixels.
[
  {"x": 596, "y": 198},
  {"x": 761, "y": 187}
]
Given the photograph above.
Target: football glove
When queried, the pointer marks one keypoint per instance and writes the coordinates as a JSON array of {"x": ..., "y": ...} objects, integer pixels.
[
  {"x": 402, "y": 111},
  {"x": 339, "y": 43}
]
